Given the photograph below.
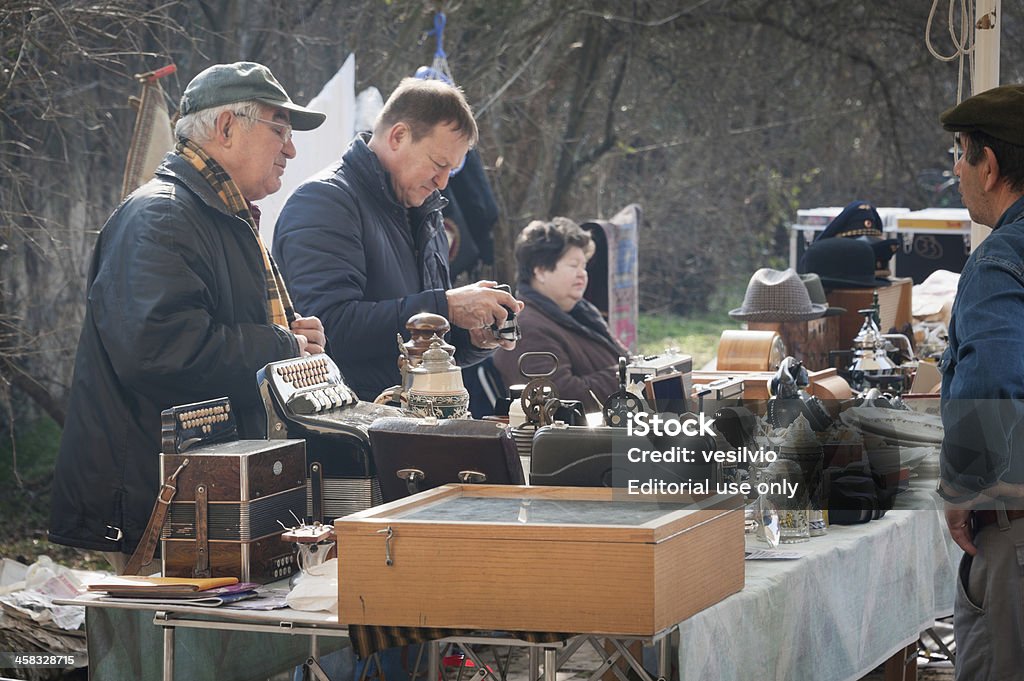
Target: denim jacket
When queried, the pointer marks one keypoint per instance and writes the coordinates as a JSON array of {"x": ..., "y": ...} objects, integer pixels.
[{"x": 983, "y": 367}]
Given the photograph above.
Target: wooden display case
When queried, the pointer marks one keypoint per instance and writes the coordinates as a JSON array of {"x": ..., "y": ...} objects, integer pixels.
[{"x": 557, "y": 559}]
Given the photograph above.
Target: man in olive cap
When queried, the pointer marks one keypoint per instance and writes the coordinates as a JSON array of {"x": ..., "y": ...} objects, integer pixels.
[
  {"x": 184, "y": 304},
  {"x": 982, "y": 459}
]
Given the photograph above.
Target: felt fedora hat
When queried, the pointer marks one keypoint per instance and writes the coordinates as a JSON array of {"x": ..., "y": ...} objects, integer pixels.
[
  {"x": 817, "y": 294},
  {"x": 776, "y": 296},
  {"x": 842, "y": 263},
  {"x": 883, "y": 250}
]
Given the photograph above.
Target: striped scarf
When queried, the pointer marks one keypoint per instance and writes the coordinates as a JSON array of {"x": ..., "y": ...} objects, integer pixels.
[{"x": 280, "y": 310}]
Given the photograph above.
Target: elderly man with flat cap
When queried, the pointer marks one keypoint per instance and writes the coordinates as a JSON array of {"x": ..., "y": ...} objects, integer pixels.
[
  {"x": 184, "y": 304},
  {"x": 982, "y": 459}
]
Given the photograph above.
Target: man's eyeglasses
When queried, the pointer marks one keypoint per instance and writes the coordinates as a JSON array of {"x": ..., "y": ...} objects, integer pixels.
[
  {"x": 958, "y": 147},
  {"x": 282, "y": 130}
]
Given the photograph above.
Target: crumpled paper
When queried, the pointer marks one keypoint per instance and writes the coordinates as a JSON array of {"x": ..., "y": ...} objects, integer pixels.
[
  {"x": 316, "y": 588},
  {"x": 29, "y": 619}
]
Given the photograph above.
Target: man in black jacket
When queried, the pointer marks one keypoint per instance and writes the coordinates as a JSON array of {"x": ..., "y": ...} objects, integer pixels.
[
  {"x": 362, "y": 244},
  {"x": 184, "y": 304}
]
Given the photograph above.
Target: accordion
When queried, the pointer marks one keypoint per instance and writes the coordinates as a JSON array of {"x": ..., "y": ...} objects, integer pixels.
[
  {"x": 234, "y": 499},
  {"x": 307, "y": 398}
]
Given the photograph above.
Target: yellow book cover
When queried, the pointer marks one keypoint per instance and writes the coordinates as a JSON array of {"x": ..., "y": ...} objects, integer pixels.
[{"x": 158, "y": 585}]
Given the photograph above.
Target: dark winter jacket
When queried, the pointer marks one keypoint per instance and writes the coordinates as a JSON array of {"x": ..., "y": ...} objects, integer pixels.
[
  {"x": 587, "y": 354},
  {"x": 353, "y": 256},
  {"x": 176, "y": 313}
]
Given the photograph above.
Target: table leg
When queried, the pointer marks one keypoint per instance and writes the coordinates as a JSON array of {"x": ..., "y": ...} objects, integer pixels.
[
  {"x": 550, "y": 664},
  {"x": 632, "y": 649},
  {"x": 902, "y": 666},
  {"x": 168, "y": 653},
  {"x": 433, "y": 660},
  {"x": 663, "y": 663},
  {"x": 533, "y": 663}
]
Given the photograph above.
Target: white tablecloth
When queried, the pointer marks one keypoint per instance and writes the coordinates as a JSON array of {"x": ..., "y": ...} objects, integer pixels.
[{"x": 857, "y": 596}]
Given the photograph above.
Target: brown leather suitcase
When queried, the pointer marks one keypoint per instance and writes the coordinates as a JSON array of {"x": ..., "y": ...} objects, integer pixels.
[{"x": 412, "y": 455}]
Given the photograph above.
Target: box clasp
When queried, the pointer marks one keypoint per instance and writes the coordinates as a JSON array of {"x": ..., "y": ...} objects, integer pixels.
[{"x": 388, "y": 534}]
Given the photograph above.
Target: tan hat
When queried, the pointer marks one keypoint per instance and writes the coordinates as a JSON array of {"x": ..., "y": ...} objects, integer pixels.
[
  {"x": 776, "y": 296},
  {"x": 817, "y": 293}
]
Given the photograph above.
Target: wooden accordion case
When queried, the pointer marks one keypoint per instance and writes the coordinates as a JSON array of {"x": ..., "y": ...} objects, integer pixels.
[{"x": 234, "y": 497}]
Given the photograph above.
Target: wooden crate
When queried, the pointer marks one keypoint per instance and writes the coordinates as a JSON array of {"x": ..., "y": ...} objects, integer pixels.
[
  {"x": 808, "y": 341},
  {"x": 894, "y": 304},
  {"x": 515, "y": 558}
]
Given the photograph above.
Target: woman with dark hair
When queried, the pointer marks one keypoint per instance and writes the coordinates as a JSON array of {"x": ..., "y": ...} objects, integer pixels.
[{"x": 551, "y": 259}]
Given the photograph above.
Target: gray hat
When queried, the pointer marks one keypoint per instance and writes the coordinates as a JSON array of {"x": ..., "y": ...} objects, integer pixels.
[
  {"x": 244, "y": 81},
  {"x": 776, "y": 296},
  {"x": 816, "y": 292}
]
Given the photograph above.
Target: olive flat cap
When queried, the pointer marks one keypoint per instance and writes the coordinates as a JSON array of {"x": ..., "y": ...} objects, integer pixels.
[
  {"x": 998, "y": 112},
  {"x": 244, "y": 81}
]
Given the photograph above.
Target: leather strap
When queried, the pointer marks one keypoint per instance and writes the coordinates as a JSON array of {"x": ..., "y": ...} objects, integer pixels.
[
  {"x": 202, "y": 568},
  {"x": 147, "y": 546},
  {"x": 316, "y": 489}
]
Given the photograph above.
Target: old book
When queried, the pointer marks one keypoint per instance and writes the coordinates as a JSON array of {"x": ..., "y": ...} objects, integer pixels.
[
  {"x": 162, "y": 587},
  {"x": 207, "y": 599}
]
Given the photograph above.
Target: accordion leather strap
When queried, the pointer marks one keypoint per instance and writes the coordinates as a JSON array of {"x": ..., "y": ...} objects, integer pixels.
[
  {"x": 147, "y": 546},
  {"x": 202, "y": 567},
  {"x": 316, "y": 486}
]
